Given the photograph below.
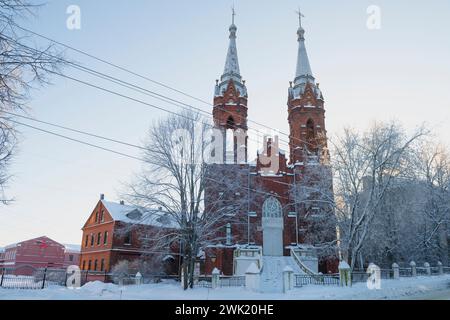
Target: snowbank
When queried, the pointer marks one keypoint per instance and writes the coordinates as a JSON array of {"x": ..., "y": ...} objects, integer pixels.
[{"x": 405, "y": 288}]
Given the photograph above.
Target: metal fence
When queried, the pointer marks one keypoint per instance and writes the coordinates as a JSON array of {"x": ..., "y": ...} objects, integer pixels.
[
  {"x": 31, "y": 278},
  {"x": 224, "y": 281},
  {"x": 303, "y": 280},
  {"x": 204, "y": 282},
  {"x": 28, "y": 277},
  {"x": 362, "y": 276},
  {"x": 405, "y": 272},
  {"x": 235, "y": 281},
  {"x": 359, "y": 275}
]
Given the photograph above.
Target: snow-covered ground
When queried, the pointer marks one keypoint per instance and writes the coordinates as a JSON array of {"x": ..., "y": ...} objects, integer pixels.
[{"x": 437, "y": 287}]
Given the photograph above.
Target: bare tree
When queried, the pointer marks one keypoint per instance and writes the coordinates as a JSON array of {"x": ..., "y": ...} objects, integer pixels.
[
  {"x": 7, "y": 141},
  {"x": 314, "y": 199},
  {"x": 172, "y": 186},
  {"x": 22, "y": 68},
  {"x": 366, "y": 166},
  {"x": 432, "y": 172}
]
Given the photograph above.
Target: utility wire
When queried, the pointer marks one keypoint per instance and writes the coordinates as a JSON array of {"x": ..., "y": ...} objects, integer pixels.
[
  {"x": 140, "y": 76},
  {"x": 120, "y": 153},
  {"x": 135, "y": 87},
  {"x": 75, "y": 140},
  {"x": 93, "y": 135},
  {"x": 73, "y": 130}
]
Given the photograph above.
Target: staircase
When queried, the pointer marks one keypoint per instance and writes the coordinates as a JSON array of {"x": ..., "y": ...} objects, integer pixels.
[{"x": 272, "y": 272}]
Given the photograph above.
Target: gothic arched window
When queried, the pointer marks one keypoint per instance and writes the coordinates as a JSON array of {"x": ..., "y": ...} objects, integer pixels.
[
  {"x": 272, "y": 208},
  {"x": 230, "y": 143},
  {"x": 310, "y": 133},
  {"x": 230, "y": 123}
]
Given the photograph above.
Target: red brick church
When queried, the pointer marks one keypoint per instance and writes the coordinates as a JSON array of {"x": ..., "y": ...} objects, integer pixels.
[{"x": 279, "y": 216}]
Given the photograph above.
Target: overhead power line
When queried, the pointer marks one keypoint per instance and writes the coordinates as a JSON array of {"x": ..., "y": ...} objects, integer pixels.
[
  {"x": 121, "y": 153},
  {"x": 141, "y": 76},
  {"x": 74, "y": 130},
  {"x": 137, "y": 88}
]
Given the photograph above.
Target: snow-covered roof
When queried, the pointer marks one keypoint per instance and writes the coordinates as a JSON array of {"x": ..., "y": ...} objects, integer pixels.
[
  {"x": 299, "y": 89},
  {"x": 168, "y": 257},
  {"x": 138, "y": 215},
  {"x": 73, "y": 248},
  {"x": 12, "y": 245}
]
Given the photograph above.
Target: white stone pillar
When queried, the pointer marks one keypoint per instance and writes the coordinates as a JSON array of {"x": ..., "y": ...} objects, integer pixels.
[
  {"x": 440, "y": 267},
  {"x": 413, "y": 269},
  {"x": 288, "y": 279},
  {"x": 215, "y": 281},
  {"x": 396, "y": 269},
  {"x": 427, "y": 268},
  {"x": 252, "y": 278},
  {"x": 345, "y": 274},
  {"x": 138, "y": 279}
]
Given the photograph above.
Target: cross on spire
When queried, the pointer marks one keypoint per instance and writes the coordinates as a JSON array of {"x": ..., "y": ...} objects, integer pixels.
[
  {"x": 233, "y": 14},
  {"x": 300, "y": 16}
]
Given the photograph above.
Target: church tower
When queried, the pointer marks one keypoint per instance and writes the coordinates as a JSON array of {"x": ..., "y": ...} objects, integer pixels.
[
  {"x": 306, "y": 110},
  {"x": 230, "y": 105}
]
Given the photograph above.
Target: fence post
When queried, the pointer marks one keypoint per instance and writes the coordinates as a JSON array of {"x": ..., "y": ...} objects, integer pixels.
[
  {"x": 65, "y": 279},
  {"x": 45, "y": 276},
  {"x": 345, "y": 274},
  {"x": 427, "y": 268},
  {"x": 288, "y": 279},
  {"x": 106, "y": 277},
  {"x": 396, "y": 269},
  {"x": 440, "y": 267},
  {"x": 215, "y": 278},
  {"x": 252, "y": 277},
  {"x": 3, "y": 275},
  {"x": 413, "y": 269},
  {"x": 138, "y": 279}
]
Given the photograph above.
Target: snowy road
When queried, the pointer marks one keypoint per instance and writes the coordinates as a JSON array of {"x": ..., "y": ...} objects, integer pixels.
[{"x": 439, "y": 295}]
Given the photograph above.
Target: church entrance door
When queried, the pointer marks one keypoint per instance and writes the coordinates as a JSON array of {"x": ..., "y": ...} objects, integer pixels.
[{"x": 272, "y": 223}]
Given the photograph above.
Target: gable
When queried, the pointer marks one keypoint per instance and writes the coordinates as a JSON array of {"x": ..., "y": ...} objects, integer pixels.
[
  {"x": 41, "y": 241},
  {"x": 100, "y": 211}
]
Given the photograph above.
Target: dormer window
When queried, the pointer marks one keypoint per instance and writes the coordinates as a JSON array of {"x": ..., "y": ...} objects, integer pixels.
[
  {"x": 134, "y": 215},
  {"x": 163, "y": 219}
]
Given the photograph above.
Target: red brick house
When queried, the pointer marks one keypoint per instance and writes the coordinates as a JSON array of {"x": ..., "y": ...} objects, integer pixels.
[
  {"x": 2, "y": 257},
  {"x": 113, "y": 233},
  {"x": 71, "y": 255},
  {"x": 41, "y": 252},
  {"x": 275, "y": 222}
]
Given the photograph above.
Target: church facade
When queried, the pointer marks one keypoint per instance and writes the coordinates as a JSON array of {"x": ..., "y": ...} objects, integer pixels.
[{"x": 281, "y": 199}]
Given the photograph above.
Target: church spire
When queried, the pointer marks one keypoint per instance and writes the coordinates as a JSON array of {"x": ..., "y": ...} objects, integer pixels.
[
  {"x": 230, "y": 104},
  {"x": 231, "y": 69},
  {"x": 306, "y": 109},
  {"x": 303, "y": 71},
  {"x": 231, "y": 72}
]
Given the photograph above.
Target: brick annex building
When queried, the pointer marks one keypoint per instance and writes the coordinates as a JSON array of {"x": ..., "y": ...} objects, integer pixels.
[
  {"x": 114, "y": 232},
  {"x": 42, "y": 252},
  {"x": 274, "y": 222}
]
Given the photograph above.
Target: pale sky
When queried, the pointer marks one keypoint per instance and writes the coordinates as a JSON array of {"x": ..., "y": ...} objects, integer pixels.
[{"x": 401, "y": 71}]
